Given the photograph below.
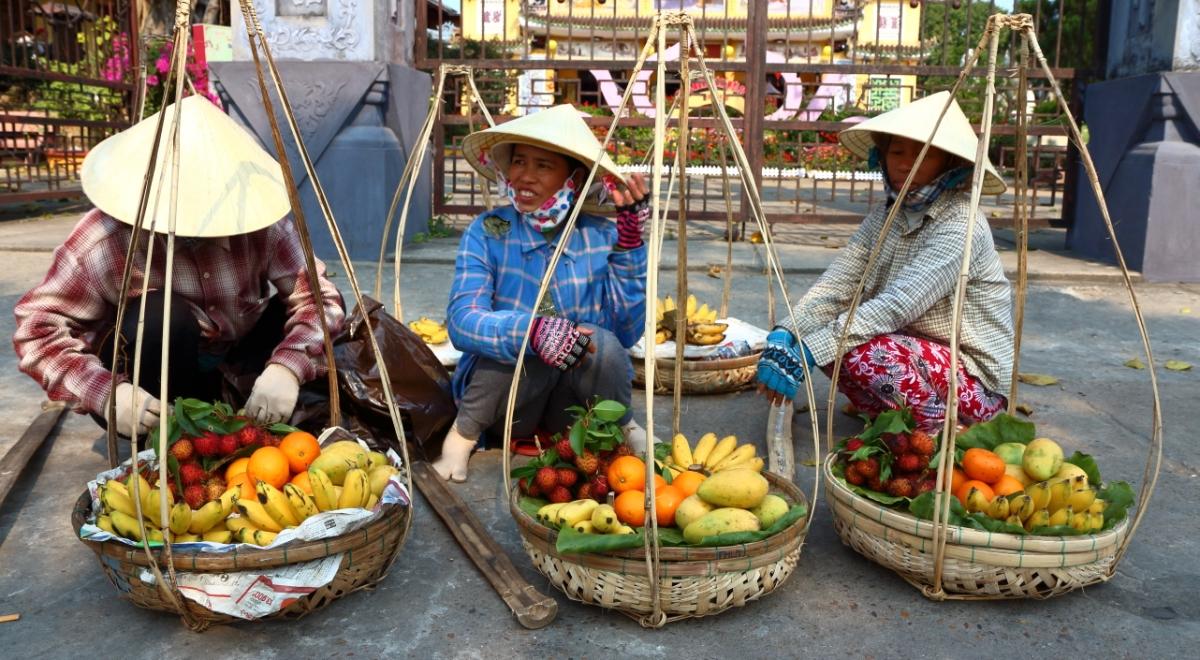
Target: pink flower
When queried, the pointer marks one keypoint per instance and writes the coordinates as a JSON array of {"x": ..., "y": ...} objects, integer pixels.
[{"x": 152, "y": 80}]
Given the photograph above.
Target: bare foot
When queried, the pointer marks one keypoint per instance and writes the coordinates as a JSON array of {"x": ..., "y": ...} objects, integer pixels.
[{"x": 456, "y": 452}]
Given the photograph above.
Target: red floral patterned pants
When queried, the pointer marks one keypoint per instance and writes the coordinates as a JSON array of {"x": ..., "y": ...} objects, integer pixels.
[{"x": 897, "y": 370}]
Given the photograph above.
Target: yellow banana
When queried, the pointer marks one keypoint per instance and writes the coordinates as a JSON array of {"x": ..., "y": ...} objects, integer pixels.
[
  {"x": 136, "y": 490},
  {"x": 691, "y": 306},
  {"x": 548, "y": 515},
  {"x": 738, "y": 456},
  {"x": 227, "y": 499},
  {"x": 105, "y": 523},
  {"x": 187, "y": 538},
  {"x": 1021, "y": 505},
  {"x": 1079, "y": 521},
  {"x": 705, "y": 340},
  {"x": 372, "y": 500},
  {"x": 701, "y": 314},
  {"x": 1080, "y": 500},
  {"x": 576, "y": 511},
  {"x": 704, "y": 447},
  {"x": 218, "y": 536},
  {"x": 710, "y": 328},
  {"x": 757, "y": 464},
  {"x": 1040, "y": 518},
  {"x": 1095, "y": 521},
  {"x": 681, "y": 451},
  {"x": 116, "y": 499},
  {"x": 604, "y": 519},
  {"x": 155, "y": 536},
  {"x": 253, "y": 536},
  {"x": 117, "y": 486},
  {"x": 125, "y": 525},
  {"x": 977, "y": 501},
  {"x": 181, "y": 518},
  {"x": 625, "y": 529},
  {"x": 205, "y": 518},
  {"x": 584, "y": 527},
  {"x": 999, "y": 508},
  {"x": 1040, "y": 492},
  {"x": 323, "y": 493},
  {"x": 236, "y": 524},
  {"x": 1061, "y": 517},
  {"x": 276, "y": 504},
  {"x": 300, "y": 502},
  {"x": 723, "y": 449},
  {"x": 1059, "y": 492},
  {"x": 355, "y": 490},
  {"x": 1097, "y": 506},
  {"x": 1014, "y": 519},
  {"x": 661, "y": 337},
  {"x": 668, "y": 304},
  {"x": 152, "y": 504},
  {"x": 254, "y": 511},
  {"x": 376, "y": 459}
]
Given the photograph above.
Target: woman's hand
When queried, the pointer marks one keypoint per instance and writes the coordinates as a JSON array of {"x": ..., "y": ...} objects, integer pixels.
[{"x": 631, "y": 194}]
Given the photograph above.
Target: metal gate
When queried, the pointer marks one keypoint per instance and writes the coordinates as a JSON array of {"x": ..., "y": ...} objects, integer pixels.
[
  {"x": 66, "y": 72},
  {"x": 792, "y": 72}
]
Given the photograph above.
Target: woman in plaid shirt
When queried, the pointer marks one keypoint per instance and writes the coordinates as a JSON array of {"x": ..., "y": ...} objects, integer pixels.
[
  {"x": 596, "y": 304},
  {"x": 241, "y": 304},
  {"x": 897, "y": 352}
]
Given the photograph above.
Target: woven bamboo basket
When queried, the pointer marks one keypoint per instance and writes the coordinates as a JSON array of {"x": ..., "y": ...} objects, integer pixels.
[
  {"x": 977, "y": 563},
  {"x": 694, "y": 582},
  {"x": 701, "y": 376},
  {"x": 367, "y": 554}
]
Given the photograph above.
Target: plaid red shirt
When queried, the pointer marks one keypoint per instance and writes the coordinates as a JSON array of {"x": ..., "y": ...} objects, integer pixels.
[{"x": 225, "y": 282}]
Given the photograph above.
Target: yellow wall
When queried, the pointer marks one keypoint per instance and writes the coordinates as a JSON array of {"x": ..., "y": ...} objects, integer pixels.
[
  {"x": 899, "y": 20},
  {"x": 502, "y": 20}
]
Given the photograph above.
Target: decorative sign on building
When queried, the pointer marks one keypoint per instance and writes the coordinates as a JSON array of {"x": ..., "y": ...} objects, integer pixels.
[
  {"x": 883, "y": 93},
  {"x": 342, "y": 30}
]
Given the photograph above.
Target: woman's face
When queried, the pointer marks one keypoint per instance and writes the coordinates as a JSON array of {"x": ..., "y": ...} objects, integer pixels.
[
  {"x": 901, "y": 153},
  {"x": 535, "y": 174}
]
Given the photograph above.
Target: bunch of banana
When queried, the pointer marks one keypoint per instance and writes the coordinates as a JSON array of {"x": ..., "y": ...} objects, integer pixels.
[
  {"x": 711, "y": 455},
  {"x": 702, "y": 326},
  {"x": 584, "y": 516},
  {"x": 1063, "y": 503},
  {"x": 119, "y": 514},
  {"x": 430, "y": 331}
]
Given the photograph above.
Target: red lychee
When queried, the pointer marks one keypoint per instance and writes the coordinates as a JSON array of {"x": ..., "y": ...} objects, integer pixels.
[
  {"x": 567, "y": 477},
  {"x": 584, "y": 492},
  {"x": 908, "y": 462},
  {"x": 229, "y": 444},
  {"x": 565, "y": 452},
  {"x": 191, "y": 473},
  {"x": 183, "y": 450},
  {"x": 899, "y": 487},
  {"x": 599, "y": 485},
  {"x": 208, "y": 444},
  {"x": 854, "y": 475},
  {"x": 869, "y": 467},
  {"x": 213, "y": 488},
  {"x": 853, "y": 444},
  {"x": 248, "y": 435},
  {"x": 195, "y": 496},
  {"x": 926, "y": 485},
  {"x": 875, "y": 484},
  {"x": 559, "y": 494},
  {"x": 623, "y": 450},
  {"x": 546, "y": 479},
  {"x": 899, "y": 443},
  {"x": 588, "y": 463}
]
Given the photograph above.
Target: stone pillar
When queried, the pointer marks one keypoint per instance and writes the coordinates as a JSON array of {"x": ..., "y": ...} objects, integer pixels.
[
  {"x": 358, "y": 105},
  {"x": 1144, "y": 138}
]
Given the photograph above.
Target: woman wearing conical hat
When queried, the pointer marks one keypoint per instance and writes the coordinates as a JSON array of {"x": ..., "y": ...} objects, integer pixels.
[
  {"x": 241, "y": 301},
  {"x": 596, "y": 304},
  {"x": 897, "y": 352}
]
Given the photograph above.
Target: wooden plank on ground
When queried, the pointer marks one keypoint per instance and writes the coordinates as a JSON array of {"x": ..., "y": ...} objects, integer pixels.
[
  {"x": 14, "y": 462},
  {"x": 532, "y": 608}
]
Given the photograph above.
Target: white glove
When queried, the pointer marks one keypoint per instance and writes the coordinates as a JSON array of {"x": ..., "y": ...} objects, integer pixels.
[
  {"x": 134, "y": 408},
  {"x": 273, "y": 397}
]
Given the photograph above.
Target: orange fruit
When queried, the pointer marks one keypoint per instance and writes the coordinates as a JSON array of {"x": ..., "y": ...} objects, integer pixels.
[
  {"x": 984, "y": 465},
  {"x": 243, "y": 480},
  {"x": 688, "y": 481},
  {"x": 966, "y": 487},
  {"x": 659, "y": 482},
  {"x": 666, "y": 500},
  {"x": 631, "y": 507},
  {"x": 301, "y": 449},
  {"x": 627, "y": 473},
  {"x": 301, "y": 482},
  {"x": 1007, "y": 485},
  {"x": 236, "y": 467},
  {"x": 269, "y": 464},
  {"x": 958, "y": 479}
]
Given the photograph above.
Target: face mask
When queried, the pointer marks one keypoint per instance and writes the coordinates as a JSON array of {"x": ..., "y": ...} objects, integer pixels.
[{"x": 552, "y": 212}]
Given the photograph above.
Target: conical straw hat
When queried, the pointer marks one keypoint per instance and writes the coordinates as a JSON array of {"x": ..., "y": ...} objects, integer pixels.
[
  {"x": 914, "y": 121},
  {"x": 559, "y": 129},
  {"x": 228, "y": 185}
]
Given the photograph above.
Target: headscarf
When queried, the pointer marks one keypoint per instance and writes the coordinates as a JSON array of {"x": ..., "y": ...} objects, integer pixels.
[{"x": 920, "y": 199}]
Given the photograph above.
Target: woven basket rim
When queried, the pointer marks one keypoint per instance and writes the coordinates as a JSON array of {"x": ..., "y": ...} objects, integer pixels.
[
  {"x": 200, "y": 561},
  {"x": 791, "y": 536},
  {"x": 720, "y": 364},
  {"x": 909, "y": 524}
]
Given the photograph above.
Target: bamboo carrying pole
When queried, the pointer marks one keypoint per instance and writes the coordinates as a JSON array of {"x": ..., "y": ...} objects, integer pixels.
[{"x": 657, "y": 37}]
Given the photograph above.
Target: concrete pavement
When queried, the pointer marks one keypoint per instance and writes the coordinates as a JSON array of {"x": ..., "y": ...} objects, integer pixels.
[{"x": 836, "y": 604}]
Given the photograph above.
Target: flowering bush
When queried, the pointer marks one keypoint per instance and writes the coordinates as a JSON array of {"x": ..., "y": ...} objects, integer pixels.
[{"x": 156, "y": 76}]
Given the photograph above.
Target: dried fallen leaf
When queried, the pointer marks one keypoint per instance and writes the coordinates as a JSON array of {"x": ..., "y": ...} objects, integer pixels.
[
  {"x": 1040, "y": 380},
  {"x": 1178, "y": 365},
  {"x": 1024, "y": 409},
  {"x": 714, "y": 271},
  {"x": 1185, "y": 310},
  {"x": 1135, "y": 363},
  {"x": 808, "y": 463},
  {"x": 756, "y": 237}
]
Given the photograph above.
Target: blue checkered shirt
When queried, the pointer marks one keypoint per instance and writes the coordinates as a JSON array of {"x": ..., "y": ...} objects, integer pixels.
[{"x": 500, "y": 264}]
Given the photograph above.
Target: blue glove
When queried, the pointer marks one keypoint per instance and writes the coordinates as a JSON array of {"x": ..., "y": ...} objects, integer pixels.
[{"x": 781, "y": 367}]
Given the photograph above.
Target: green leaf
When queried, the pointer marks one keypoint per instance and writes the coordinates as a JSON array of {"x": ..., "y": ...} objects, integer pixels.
[
  {"x": 662, "y": 450},
  {"x": 882, "y": 498},
  {"x": 1119, "y": 496},
  {"x": 888, "y": 421},
  {"x": 608, "y": 410},
  {"x": 530, "y": 505},
  {"x": 866, "y": 451},
  {"x": 669, "y": 536},
  {"x": 190, "y": 427},
  {"x": 578, "y": 435},
  {"x": 1178, "y": 365},
  {"x": 1041, "y": 380},
  {"x": 922, "y": 507},
  {"x": 572, "y": 542},
  {"x": 1088, "y": 464},
  {"x": 524, "y": 472},
  {"x": 1135, "y": 363},
  {"x": 279, "y": 428},
  {"x": 998, "y": 430}
]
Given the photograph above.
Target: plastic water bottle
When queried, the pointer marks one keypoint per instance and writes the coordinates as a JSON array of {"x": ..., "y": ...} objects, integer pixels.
[{"x": 781, "y": 456}]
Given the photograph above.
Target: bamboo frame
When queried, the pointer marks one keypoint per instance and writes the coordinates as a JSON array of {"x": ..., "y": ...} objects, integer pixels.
[
  {"x": 1021, "y": 24},
  {"x": 657, "y": 40}
]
